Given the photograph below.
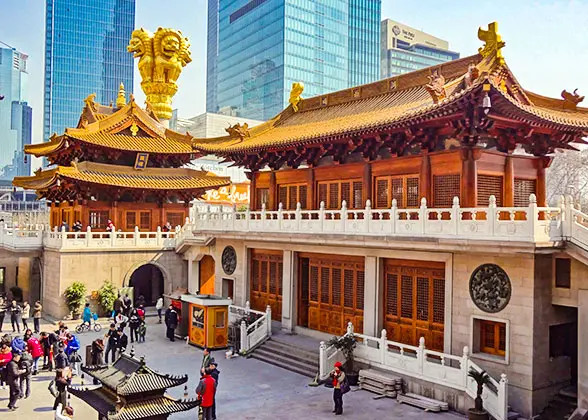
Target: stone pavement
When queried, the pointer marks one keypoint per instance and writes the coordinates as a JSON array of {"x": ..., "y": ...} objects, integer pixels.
[{"x": 248, "y": 389}]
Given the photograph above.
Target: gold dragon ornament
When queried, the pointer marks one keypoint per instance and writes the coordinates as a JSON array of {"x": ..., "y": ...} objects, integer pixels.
[
  {"x": 295, "y": 98},
  {"x": 162, "y": 56}
]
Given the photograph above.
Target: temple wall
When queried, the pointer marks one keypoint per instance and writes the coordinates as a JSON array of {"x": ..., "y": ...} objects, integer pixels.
[
  {"x": 18, "y": 271},
  {"x": 61, "y": 269}
]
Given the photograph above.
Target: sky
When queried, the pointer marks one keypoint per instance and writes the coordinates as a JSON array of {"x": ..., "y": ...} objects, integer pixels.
[{"x": 546, "y": 40}]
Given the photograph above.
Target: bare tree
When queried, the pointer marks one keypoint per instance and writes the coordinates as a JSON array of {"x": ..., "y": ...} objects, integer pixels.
[{"x": 568, "y": 175}]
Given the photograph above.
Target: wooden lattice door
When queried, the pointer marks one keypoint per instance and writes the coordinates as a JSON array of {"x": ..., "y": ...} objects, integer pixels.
[
  {"x": 266, "y": 281},
  {"x": 335, "y": 288},
  {"x": 414, "y": 302}
]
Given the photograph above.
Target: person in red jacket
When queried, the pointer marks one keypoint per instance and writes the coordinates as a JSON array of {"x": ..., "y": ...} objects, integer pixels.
[
  {"x": 5, "y": 358},
  {"x": 36, "y": 351},
  {"x": 205, "y": 391}
]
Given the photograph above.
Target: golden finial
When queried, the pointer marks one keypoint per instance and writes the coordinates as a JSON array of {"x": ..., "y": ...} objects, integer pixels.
[
  {"x": 134, "y": 129},
  {"x": 295, "y": 98},
  {"x": 493, "y": 42},
  {"x": 121, "y": 99}
]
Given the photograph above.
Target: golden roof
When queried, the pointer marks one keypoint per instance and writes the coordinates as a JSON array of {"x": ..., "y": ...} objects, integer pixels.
[
  {"x": 401, "y": 101},
  {"x": 124, "y": 177}
]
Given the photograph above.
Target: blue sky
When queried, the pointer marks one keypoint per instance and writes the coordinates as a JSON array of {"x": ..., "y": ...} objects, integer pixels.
[{"x": 546, "y": 41}]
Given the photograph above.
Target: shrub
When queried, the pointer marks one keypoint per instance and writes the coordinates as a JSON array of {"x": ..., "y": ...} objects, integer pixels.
[
  {"x": 75, "y": 296},
  {"x": 106, "y": 297}
]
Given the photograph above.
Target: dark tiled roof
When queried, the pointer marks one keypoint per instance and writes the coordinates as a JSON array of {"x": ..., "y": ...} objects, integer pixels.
[{"x": 154, "y": 407}]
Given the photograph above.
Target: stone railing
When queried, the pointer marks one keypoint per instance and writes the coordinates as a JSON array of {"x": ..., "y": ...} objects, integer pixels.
[
  {"x": 421, "y": 363},
  {"x": 257, "y": 332},
  {"x": 532, "y": 223},
  {"x": 27, "y": 238}
]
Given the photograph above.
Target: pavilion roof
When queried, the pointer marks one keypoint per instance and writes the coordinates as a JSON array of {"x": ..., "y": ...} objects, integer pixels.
[
  {"x": 402, "y": 102},
  {"x": 124, "y": 177}
]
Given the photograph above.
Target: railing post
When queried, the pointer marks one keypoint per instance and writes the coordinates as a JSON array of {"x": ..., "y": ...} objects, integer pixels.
[
  {"x": 532, "y": 216},
  {"x": 567, "y": 223},
  {"x": 322, "y": 360},
  {"x": 247, "y": 307},
  {"x": 322, "y": 216},
  {"x": 262, "y": 217},
  {"x": 343, "y": 215},
  {"x": 394, "y": 215},
  {"x": 280, "y": 210},
  {"x": 88, "y": 236},
  {"x": 464, "y": 365},
  {"x": 136, "y": 235},
  {"x": 158, "y": 238},
  {"x": 349, "y": 328},
  {"x": 113, "y": 237},
  {"x": 503, "y": 396},
  {"x": 63, "y": 237},
  {"x": 244, "y": 343},
  {"x": 491, "y": 216},
  {"x": 247, "y": 217},
  {"x": 421, "y": 355},
  {"x": 298, "y": 215},
  {"x": 367, "y": 215},
  {"x": 268, "y": 314},
  {"x": 423, "y": 215},
  {"x": 455, "y": 215},
  {"x": 383, "y": 346}
]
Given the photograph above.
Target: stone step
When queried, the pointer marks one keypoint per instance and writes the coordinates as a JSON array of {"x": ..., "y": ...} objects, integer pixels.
[
  {"x": 418, "y": 402},
  {"x": 281, "y": 346},
  {"x": 293, "y": 357},
  {"x": 284, "y": 362}
]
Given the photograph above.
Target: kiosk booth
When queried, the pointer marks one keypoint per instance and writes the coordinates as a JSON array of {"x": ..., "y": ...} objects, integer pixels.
[{"x": 208, "y": 320}]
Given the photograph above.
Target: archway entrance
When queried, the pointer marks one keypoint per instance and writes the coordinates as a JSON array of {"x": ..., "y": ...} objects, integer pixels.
[
  {"x": 147, "y": 281},
  {"x": 207, "y": 268}
]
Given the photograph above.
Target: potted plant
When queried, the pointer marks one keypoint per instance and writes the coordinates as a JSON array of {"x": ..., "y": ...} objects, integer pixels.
[
  {"x": 478, "y": 412},
  {"x": 75, "y": 296},
  {"x": 346, "y": 345},
  {"x": 106, "y": 297}
]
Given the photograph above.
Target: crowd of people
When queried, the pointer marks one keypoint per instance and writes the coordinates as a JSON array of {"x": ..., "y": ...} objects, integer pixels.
[{"x": 20, "y": 314}]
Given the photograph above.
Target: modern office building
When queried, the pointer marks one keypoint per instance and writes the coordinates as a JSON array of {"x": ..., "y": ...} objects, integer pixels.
[
  {"x": 258, "y": 48},
  {"x": 85, "y": 52},
  {"x": 15, "y": 114},
  {"x": 405, "y": 49}
]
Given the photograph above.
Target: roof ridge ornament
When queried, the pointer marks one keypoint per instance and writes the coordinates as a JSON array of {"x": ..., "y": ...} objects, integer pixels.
[
  {"x": 493, "y": 42},
  {"x": 238, "y": 131},
  {"x": 295, "y": 98},
  {"x": 121, "y": 99},
  {"x": 90, "y": 102},
  {"x": 571, "y": 100},
  {"x": 436, "y": 86}
]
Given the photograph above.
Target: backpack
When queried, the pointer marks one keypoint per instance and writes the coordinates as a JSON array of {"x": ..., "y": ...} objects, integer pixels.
[{"x": 344, "y": 386}]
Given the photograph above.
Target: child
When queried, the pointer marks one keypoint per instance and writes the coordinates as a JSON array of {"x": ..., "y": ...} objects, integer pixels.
[{"x": 142, "y": 331}]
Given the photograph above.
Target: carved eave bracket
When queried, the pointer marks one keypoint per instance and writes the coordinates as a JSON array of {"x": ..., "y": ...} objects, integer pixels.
[{"x": 436, "y": 86}]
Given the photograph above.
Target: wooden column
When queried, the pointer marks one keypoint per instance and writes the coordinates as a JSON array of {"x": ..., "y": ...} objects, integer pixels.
[
  {"x": 85, "y": 214},
  {"x": 162, "y": 220},
  {"x": 114, "y": 215},
  {"x": 310, "y": 200},
  {"x": 509, "y": 182},
  {"x": 425, "y": 177},
  {"x": 273, "y": 204},
  {"x": 367, "y": 184},
  {"x": 252, "y": 191},
  {"x": 469, "y": 177},
  {"x": 541, "y": 185}
]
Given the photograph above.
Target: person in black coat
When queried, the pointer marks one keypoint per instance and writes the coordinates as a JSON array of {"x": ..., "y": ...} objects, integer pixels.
[
  {"x": 134, "y": 322},
  {"x": 26, "y": 364},
  {"x": 214, "y": 372},
  {"x": 62, "y": 382},
  {"x": 13, "y": 379},
  {"x": 61, "y": 359},
  {"x": 111, "y": 338},
  {"x": 2, "y": 311},
  {"x": 123, "y": 341},
  {"x": 171, "y": 322},
  {"x": 15, "y": 312}
]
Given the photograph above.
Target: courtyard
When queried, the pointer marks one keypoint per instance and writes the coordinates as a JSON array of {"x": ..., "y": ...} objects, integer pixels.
[{"x": 248, "y": 389}]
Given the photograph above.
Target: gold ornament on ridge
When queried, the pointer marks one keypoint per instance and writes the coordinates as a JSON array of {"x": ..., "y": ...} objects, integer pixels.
[
  {"x": 295, "y": 98},
  {"x": 493, "y": 42}
]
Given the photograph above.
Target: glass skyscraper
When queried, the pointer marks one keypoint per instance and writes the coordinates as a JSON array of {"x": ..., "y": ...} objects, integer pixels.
[
  {"x": 15, "y": 113},
  {"x": 258, "y": 48},
  {"x": 85, "y": 52}
]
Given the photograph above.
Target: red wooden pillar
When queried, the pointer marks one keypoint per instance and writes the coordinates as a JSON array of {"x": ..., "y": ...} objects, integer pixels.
[
  {"x": 469, "y": 176},
  {"x": 541, "y": 184},
  {"x": 162, "y": 220},
  {"x": 425, "y": 177},
  {"x": 272, "y": 192},
  {"x": 252, "y": 191},
  {"x": 508, "y": 182},
  {"x": 310, "y": 200},
  {"x": 367, "y": 184},
  {"x": 114, "y": 215}
]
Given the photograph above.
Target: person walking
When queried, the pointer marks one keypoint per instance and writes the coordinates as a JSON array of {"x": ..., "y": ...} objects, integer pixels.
[
  {"x": 214, "y": 372},
  {"x": 206, "y": 359},
  {"x": 134, "y": 323},
  {"x": 2, "y": 311},
  {"x": 205, "y": 392},
  {"x": 97, "y": 352},
  {"x": 71, "y": 350},
  {"x": 15, "y": 311},
  {"x": 5, "y": 358},
  {"x": 171, "y": 322},
  {"x": 37, "y": 308},
  {"x": 61, "y": 359},
  {"x": 62, "y": 381},
  {"x": 111, "y": 338},
  {"x": 13, "y": 373},
  {"x": 123, "y": 342},
  {"x": 25, "y": 363},
  {"x": 87, "y": 315},
  {"x": 26, "y": 313},
  {"x": 35, "y": 349},
  {"x": 158, "y": 306}
]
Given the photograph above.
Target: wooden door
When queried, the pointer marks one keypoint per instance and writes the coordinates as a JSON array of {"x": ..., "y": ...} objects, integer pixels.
[
  {"x": 266, "y": 281},
  {"x": 197, "y": 325},
  {"x": 303, "y": 292},
  {"x": 414, "y": 302},
  {"x": 217, "y": 327},
  {"x": 207, "y": 269},
  {"x": 335, "y": 292}
]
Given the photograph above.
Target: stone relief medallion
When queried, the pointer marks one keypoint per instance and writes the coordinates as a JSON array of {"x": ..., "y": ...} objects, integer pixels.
[
  {"x": 229, "y": 260},
  {"x": 490, "y": 288}
]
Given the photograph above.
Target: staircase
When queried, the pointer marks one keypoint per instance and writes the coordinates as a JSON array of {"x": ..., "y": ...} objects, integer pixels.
[
  {"x": 288, "y": 356},
  {"x": 561, "y": 406}
]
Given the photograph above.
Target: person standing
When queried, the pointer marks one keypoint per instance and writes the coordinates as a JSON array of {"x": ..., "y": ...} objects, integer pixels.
[
  {"x": 214, "y": 372},
  {"x": 36, "y": 351},
  {"x": 338, "y": 376},
  {"x": 15, "y": 311},
  {"x": 97, "y": 352},
  {"x": 171, "y": 322},
  {"x": 5, "y": 358},
  {"x": 71, "y": 350},
  {"x": 61, "y": 359},
  {"x": 123, "y": 342},
  {"x": 134, "y": 323},
  {"x": 111, "y": 338},
  {"x": 206, "y": 359},
  {"x": 127, "y": 304},
  {"x": 13, "y": 380},
  {"x": 158, "y": 306},
  {"x": 62, "y": 381},
  {"x": 37, "y": 316},
  {"x": 2, "y": 310},
  {"x": 26, "y": 313},
  {"x": 117, "y": 306},
  {"x": 205, "y": 392},
  {"x": 25, "y": 363}
]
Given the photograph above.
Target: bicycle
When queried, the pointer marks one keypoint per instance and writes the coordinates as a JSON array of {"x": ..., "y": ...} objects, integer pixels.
[{"x": 84, "y": 327}]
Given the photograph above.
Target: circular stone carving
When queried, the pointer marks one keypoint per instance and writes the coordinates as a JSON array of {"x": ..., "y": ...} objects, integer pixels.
[
  {"x": 229, "y": 260},
  {"x": 490, "y": 288}
]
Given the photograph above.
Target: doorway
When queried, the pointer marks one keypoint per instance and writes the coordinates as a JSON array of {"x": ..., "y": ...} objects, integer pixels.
[
  {"x": 147, "y": 281},
  {"x": 303, "y": 291},
  {"x": 207, "y": 269}
]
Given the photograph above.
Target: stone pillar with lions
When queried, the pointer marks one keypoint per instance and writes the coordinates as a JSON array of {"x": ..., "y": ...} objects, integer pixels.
[{"x": 162, "y": 56}]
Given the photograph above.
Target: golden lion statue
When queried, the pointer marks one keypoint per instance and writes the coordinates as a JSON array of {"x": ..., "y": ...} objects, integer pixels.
[
  {"x": 295, "y": 98},
  {"x": 171, "y": 55},
  {"x": 141, "y": 46}
]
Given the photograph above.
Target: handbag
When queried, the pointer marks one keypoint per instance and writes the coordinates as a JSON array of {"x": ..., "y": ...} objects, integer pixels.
[
  {"x": 345, "y": 386},
  {"x": 53, "y": 389}
]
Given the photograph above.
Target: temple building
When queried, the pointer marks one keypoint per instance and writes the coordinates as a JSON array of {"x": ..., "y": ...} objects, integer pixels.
[
  {"x": 121, "y": 164},
  {"x": 130, "y": 390},
  {"x": 414, "y": 205}
]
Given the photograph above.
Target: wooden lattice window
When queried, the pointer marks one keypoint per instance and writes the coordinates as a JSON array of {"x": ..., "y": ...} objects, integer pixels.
[
  {"x": 291, "y": 194},
  {"x": 336, "y": 282},
  {"x": 255, "y": 275},
  {"x": 563, "y": 269},
  {"x": 445, "y": 187},
  {"x": 490, "y": 185},
  {"x": 145, "y": 220},
  {"x": 313, "y": 283},
  {"x": 261, "y": 197},
  {"x": 493, "y": 337},
  {"x": 404, "y": 189},
  {"x": 422, "y": 298},
  {"x": 406, "y": 308},
  {"x": 266, "y": 272},
  {"x": 392, "y": 294},
  {"x": 99, "y": 219},
  {"x": 439, "y": 301},
  {"x": 523, "y": 188},
  {"x": 332, "y": 193},
  {"x": 174, "y": 218},
  {"x": 131, "y": 220}
]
